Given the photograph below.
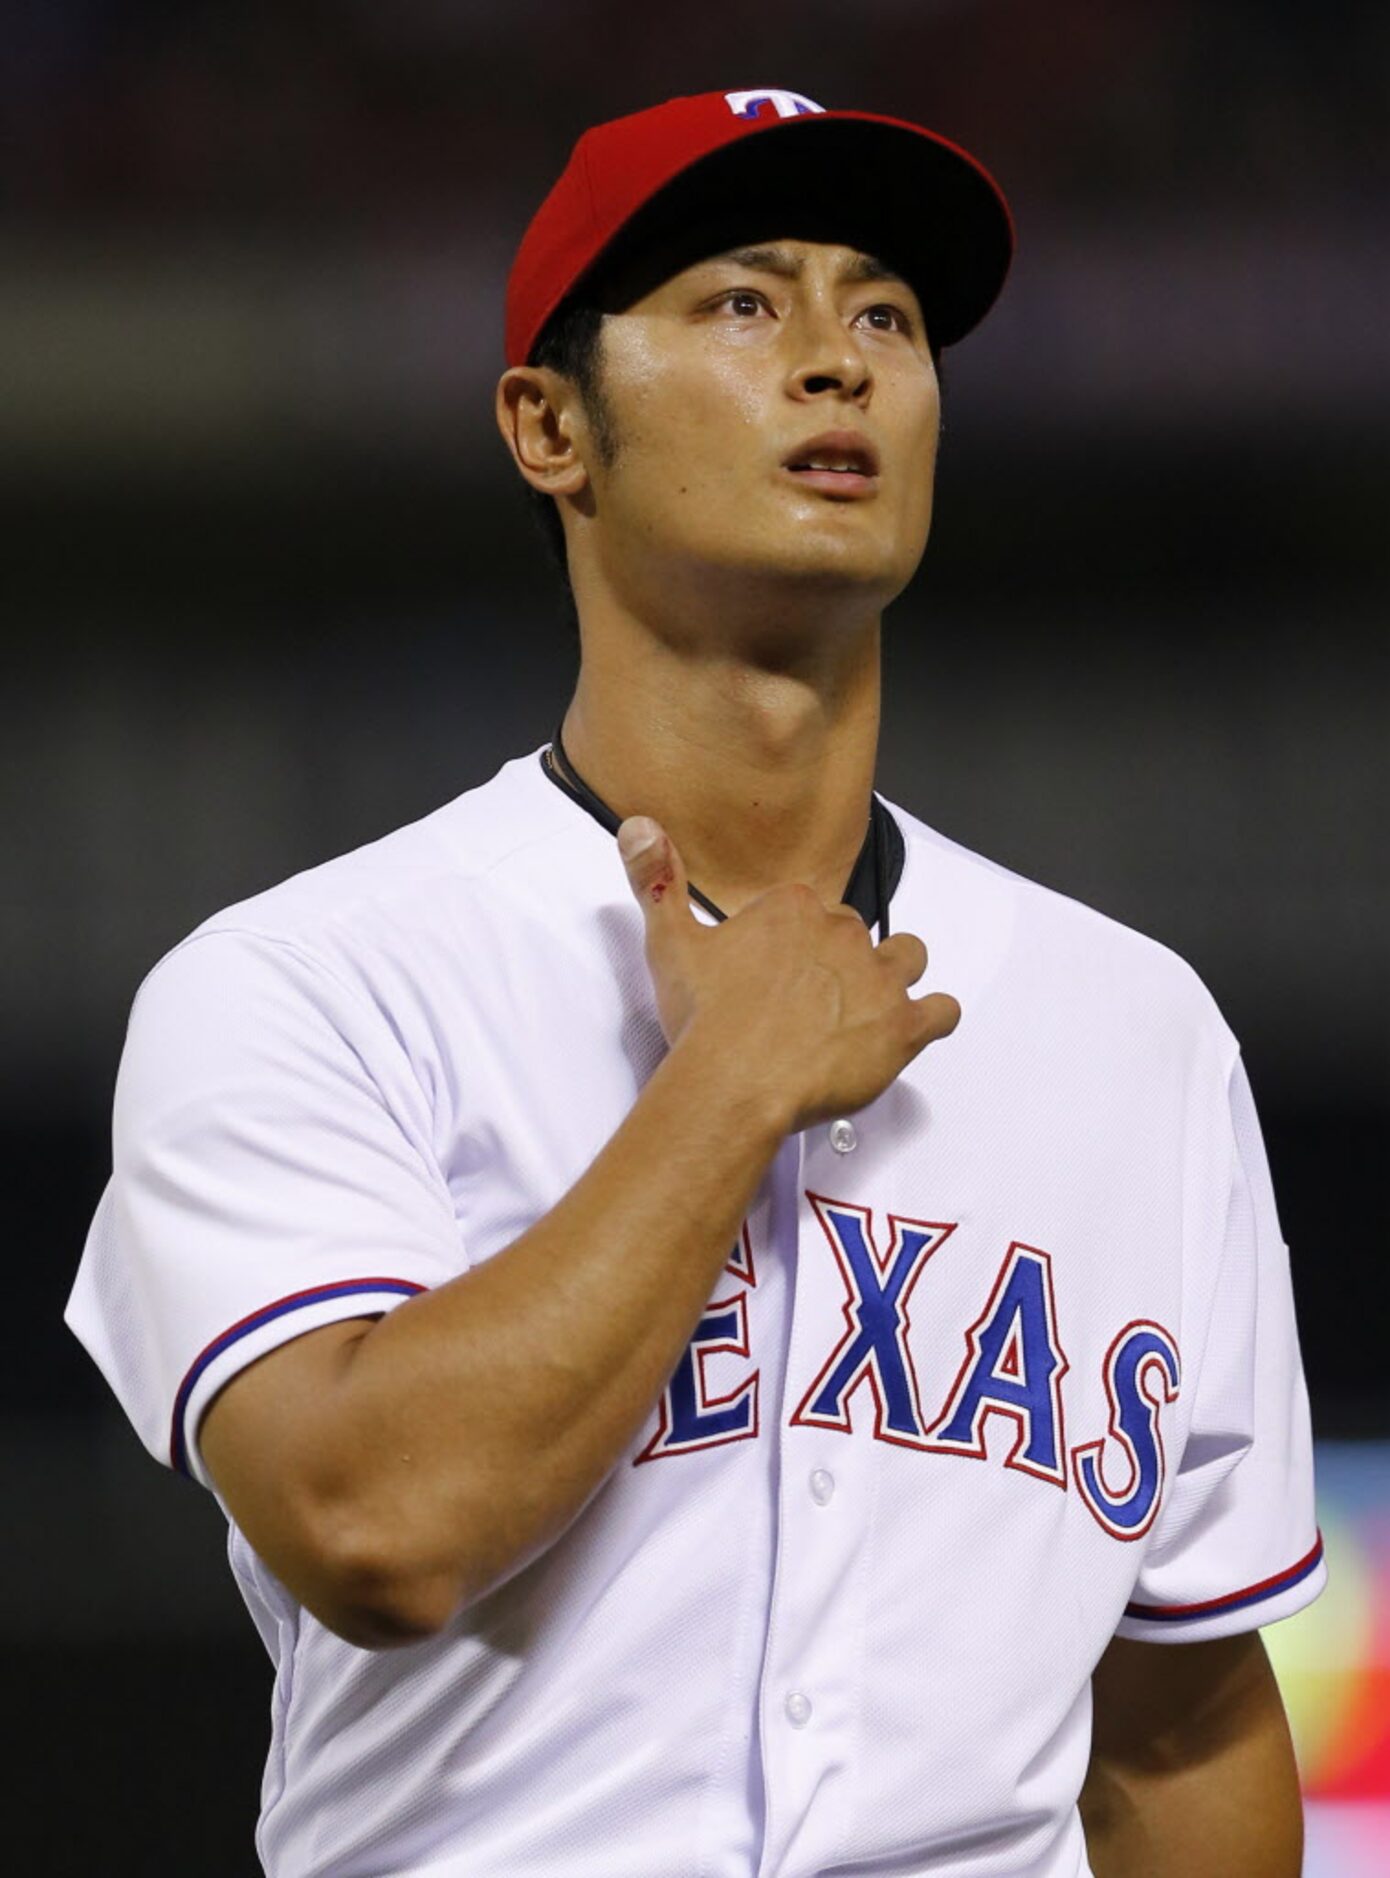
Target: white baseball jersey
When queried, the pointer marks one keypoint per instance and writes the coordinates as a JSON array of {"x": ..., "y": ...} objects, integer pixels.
[{"x": 1001, "y": 1366}]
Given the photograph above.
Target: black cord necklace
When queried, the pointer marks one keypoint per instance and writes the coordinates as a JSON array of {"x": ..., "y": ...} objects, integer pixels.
[{"x": 873, "y": 854}]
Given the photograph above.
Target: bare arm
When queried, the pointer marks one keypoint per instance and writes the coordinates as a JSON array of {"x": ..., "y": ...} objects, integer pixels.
[
  {"x": 391, "y": 1472},
  {"x": 1192, "y": 1772}
]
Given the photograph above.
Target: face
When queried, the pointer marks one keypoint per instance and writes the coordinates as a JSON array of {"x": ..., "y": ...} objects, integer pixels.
[{"x": 775, "y": 411}]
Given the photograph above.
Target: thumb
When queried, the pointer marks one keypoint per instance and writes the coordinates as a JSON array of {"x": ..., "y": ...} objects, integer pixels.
[{"x": 655, "y": 873}]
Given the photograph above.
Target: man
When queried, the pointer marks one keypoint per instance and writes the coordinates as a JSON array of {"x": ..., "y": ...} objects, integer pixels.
[{"x": 585, "y": 1294}]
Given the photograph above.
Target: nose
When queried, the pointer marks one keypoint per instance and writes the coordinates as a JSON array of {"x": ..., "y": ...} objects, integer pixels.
[{"x": 829, "y": 357}]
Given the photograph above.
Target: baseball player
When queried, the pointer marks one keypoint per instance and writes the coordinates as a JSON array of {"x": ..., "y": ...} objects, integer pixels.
[{"x": 693, "y": 1394}]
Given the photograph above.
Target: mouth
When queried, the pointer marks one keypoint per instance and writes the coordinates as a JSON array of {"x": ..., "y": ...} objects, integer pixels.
[{"x": 838, "y": 463}]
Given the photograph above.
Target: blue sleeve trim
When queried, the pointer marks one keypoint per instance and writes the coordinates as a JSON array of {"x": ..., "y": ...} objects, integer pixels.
[
  {"x": 1233, "y": 1600},
  {"x": 296, "y": 1301}
]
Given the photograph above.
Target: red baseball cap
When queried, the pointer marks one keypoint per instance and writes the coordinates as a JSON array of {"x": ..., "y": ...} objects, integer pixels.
[{"x": 670, "y": 185}]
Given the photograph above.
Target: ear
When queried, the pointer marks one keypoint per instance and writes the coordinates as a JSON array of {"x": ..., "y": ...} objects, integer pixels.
[{"x": 537, "y": 414}]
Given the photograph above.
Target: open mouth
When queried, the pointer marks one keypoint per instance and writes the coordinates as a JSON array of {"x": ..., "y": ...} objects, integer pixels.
[{"x": 838, "y": 463}]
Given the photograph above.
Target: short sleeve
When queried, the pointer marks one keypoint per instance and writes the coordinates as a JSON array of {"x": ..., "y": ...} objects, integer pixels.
[
  {"x": 271, "y": 1173},
  {"x": 1236, "y": 1543}
]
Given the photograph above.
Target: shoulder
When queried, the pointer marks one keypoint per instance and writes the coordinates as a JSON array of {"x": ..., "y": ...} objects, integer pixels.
[
  {"x": 389, "y": 908},
  {"x": 1000, "y": 930}
]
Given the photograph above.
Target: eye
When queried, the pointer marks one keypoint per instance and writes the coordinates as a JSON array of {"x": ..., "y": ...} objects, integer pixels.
[
  {"x": 898, "y": 318},
  {"x": 741, "y": 299}
]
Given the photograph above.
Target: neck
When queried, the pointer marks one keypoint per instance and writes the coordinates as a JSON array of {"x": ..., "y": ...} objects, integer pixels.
[{"x": 761, "y": 775}]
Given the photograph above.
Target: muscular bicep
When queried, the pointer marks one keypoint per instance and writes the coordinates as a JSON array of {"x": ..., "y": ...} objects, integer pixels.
[
  {"x": 1192, "y": 1768},
  {"x": 1161, "y": 1705}
]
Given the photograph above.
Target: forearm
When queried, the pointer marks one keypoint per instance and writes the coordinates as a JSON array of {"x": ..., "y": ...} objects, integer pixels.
[
  {"x": 1211, "y": 1791},
  {"x": 463, "y": 1432},
  {"x": 389, "y": 1474}
]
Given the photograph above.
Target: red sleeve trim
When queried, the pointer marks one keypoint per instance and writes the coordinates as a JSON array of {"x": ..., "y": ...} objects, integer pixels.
[
  {"x": 295, "y": 1301},
  {"x": 1232, "y": 1600}
]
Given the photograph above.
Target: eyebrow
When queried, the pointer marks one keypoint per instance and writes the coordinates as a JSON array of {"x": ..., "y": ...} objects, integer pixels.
[{"x": 789, "y": 266}]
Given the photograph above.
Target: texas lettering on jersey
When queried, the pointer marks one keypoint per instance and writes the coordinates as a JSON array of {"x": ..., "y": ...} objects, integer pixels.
[{"x": 1013, "y": 1368}]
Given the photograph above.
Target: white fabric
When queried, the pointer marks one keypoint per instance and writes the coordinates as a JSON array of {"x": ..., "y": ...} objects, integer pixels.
[{"x": 805, "y": 1649}]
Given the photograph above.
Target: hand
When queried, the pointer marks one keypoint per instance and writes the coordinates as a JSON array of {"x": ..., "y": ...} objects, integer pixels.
[{"x": 793, "y": 995}]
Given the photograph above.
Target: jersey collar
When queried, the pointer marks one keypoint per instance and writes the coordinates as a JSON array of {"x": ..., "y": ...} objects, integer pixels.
[{"x": 873, "y": 879}]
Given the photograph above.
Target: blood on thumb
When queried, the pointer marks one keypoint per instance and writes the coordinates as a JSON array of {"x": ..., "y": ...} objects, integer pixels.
[{"x": 653, "y": 866}]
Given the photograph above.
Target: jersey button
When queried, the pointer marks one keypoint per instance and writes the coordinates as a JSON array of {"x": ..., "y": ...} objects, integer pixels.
[
  {"x": 798, "y": 1709},
  {"x": 822, "y": 1487},
  {"x": 842, "y": 1137}
]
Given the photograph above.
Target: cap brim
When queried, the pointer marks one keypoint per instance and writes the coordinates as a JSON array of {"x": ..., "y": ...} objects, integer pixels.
[{"x": 913, "y": 200}]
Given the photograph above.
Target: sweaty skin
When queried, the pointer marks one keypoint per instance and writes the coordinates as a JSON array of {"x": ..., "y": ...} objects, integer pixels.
[{"x": 729, "y": 609}]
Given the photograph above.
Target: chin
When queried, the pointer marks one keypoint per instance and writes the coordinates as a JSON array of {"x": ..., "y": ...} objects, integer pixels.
[
  {"x": 815, "y": 561},
  {"x": 833, "y": 543}
]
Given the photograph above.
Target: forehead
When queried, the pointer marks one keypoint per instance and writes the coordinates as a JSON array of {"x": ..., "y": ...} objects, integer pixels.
[
  {"x": 807, "y": 244},
  {"x": 792, "y": 260}
]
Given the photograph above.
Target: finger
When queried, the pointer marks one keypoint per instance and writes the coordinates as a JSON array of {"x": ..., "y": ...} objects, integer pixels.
[
  {"x": 906, "y": 954},
  {"x": 656, "y": 875},
  {"x": 848, "y": 927},
  {"x": 934, "y": 1016}
]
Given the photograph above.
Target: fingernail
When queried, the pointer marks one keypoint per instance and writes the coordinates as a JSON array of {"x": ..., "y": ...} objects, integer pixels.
[{"x": 635, "y": 836}]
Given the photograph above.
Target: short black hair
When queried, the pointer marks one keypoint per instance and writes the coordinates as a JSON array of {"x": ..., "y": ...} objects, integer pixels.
[{"x": 571, "y": 343}]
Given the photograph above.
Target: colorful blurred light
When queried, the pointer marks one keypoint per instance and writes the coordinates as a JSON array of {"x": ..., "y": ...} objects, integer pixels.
[{"x": 1333, "y": 1665}]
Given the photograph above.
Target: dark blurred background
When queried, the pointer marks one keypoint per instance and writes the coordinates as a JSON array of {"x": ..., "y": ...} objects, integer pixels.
[{"x": 270, "y": 590}]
